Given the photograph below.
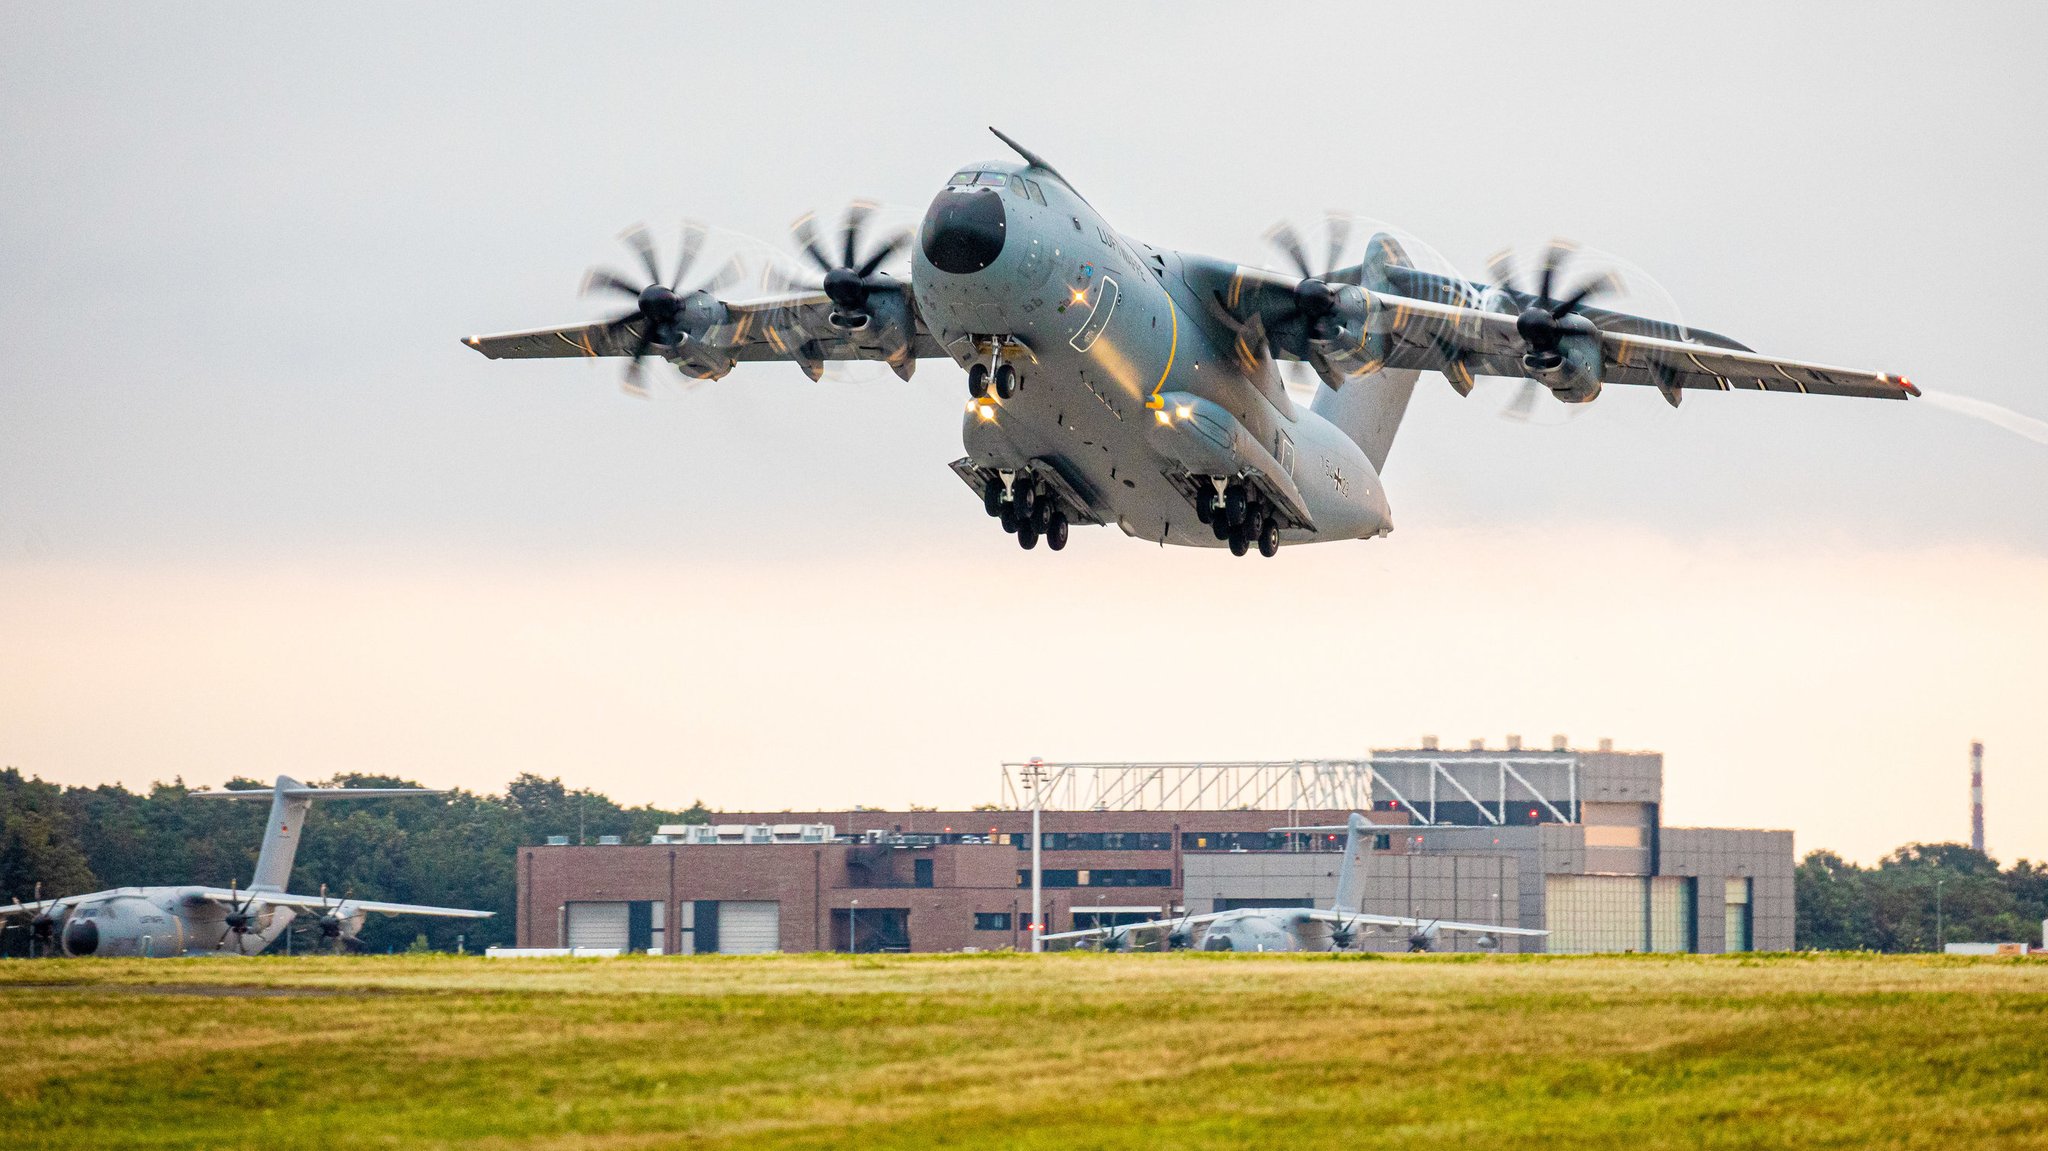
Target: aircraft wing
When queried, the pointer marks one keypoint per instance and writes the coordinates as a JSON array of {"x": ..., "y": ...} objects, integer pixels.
[
  {"x": 792, "y": 326},
  {"x": 1460, "y": 341},
  {"x": 32, "y": 907},
  {"x": 1320, "y": 915},
  {"x": 228, "y": 898},
  {"x": 1148, "y": 925}
]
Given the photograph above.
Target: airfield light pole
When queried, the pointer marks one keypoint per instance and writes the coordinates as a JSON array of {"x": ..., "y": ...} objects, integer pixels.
[
  {"x": 1940, "y": 926},
  {"x": 853, "y": 928},
  {"x": 1035, "y": 772}
]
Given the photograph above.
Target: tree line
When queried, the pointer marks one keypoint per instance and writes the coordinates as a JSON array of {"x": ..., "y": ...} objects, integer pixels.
[
  {"x": 454, "y": 850},
  {"x": 458, "y": 850}
]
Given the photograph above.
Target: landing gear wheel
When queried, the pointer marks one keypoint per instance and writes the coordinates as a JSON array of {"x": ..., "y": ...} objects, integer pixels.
[
  {"x": 1269, "y": 538},
  {"x": 1042, "y": 514},
  {"x": 1205, "y": 500},
  {"x": 1006, "y": 381},
  {"x": 1027, "y": 537},
  {"x": 1009, "y": 517},
  {"x": 1024, "y": 498},
  {"x": 1234, "y": 505},
  {"x": 1239, "y": 542},
  {"x": 1217, "y": 525},
  {"x": 977, "y": 381},
  {"x": 1056, "y": 535},
  {"x": 992, "y": 497}
]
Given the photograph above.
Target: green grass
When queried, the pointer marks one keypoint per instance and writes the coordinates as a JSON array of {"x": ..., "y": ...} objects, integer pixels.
[{"x": 1064, "y": 1051}]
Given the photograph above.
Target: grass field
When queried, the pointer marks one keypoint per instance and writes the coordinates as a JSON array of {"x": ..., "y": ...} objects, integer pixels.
[{"x": 1063, "y": 1051}]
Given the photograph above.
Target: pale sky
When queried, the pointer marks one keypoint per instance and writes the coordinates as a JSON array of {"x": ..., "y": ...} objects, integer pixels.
[{"x": 261, "y": 512}]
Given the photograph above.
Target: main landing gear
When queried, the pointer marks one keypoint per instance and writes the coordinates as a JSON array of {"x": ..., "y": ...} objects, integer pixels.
[
  {"x": 1240, "y": 518},
  {"x": 1027, "y": 510}
]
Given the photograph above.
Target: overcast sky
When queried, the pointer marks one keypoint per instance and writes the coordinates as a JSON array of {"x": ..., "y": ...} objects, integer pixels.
[{"x": 261, "y": 512}]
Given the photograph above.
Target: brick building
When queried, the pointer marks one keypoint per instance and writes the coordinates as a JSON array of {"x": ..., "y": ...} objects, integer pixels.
[{"x": 1572, "y": 842}]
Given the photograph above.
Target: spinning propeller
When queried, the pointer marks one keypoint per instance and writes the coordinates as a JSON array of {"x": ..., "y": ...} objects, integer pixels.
[
  {"x": 1423, "y": 938},
  {"x": 864, "y": 298},
  {"x": 1549, "y": 316},
  {"x": 658, "y": 308}
]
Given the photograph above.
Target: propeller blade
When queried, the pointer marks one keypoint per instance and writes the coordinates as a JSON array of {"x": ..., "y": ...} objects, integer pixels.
[
  {"x": 882, "y": 254},
  {"x": 607, "y": 280},
  {"x": 1339, "y": 232},
  {"x": 806, "y": 232},
  {"x": 1502, "y": 268},
  {"x": 1553, "y": 258},
  {"x": 1284, "y": 238},
  {"x": 724, "y": 278},
  {"x": 637, "y": 239},
  {"x": 693, "y": 243},
  {"x": 857, "y": 214},
  {"x": 1599, "y": 285},
  {"x": 1523, "y": 405}
]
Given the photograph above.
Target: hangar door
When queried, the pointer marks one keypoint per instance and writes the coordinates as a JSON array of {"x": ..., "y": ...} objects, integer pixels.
[
  {"x": 599, "y": 925},
  {"x": 749, "y": 927}
]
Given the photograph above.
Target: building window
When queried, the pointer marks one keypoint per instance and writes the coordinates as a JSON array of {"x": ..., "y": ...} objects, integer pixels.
[
  {"x": 1099, "y": 877},
  {"x": 1100, "y": 841},
  {"x": 921, "y": 872},
  {"x": 991, "y": 921},
  {"x": 1738, "y": 926}
]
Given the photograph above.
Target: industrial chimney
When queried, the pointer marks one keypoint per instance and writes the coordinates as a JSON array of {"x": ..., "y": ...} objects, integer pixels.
[{"x": 1977, "y": 797}]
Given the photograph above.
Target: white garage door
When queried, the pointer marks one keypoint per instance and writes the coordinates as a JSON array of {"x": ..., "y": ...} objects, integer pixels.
[
  {"x": 749, "y": 928},
  {"x": 598, "y": 925}
]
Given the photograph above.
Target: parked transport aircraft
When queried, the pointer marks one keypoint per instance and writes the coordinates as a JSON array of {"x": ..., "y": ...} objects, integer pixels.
[
  {"x": 1335, "y": 928},
  {"x": 158, "y": 922}
]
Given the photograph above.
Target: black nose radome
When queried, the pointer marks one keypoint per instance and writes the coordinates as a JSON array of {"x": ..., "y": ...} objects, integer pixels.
[
  {"x": 963, "y": 231},
  {"x": 82, "y": 938}
]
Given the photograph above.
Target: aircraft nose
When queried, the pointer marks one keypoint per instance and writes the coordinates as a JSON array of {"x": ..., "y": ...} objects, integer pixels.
[
  {"x": 82, "y": 938},
  {"x": 964, "y": 231}
]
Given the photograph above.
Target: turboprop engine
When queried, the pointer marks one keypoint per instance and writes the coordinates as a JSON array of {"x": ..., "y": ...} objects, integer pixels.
[{"x": 1560, "y": 340}]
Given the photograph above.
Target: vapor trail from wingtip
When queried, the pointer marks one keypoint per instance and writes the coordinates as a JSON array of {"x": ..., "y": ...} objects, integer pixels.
[{"x": 2012, "y": 421}]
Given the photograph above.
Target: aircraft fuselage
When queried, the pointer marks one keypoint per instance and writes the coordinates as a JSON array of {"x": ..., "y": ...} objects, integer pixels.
[{"x": 1128, "y": 387}]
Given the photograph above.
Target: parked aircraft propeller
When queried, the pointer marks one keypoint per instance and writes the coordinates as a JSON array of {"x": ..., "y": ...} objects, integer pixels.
[
  {"x": 238, "y": 919},
  {"x": 1424, "y": 938},
  {"x": 864, "y": 298},
  {"x": 1182, "y": 936},
  {"x": 1344, "y": 934},
  {"x": 657, "y": 307},
  {"x": 1115, "y": 939},
  {"x": 334, "y": 926}
]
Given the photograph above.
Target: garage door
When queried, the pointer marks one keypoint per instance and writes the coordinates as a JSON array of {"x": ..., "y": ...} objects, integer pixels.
[
  {"x": 749, "y": 928},
  {"x": 599, "y": 925}
]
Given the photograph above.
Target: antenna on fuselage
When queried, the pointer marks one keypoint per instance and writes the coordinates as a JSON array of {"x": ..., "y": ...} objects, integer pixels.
[{"x": 1030, "y": 157}]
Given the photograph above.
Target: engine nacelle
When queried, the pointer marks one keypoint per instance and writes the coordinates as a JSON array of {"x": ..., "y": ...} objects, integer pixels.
[
  {"x": 1350, "y": 342},
  {"x": 1572, "y": 372}
]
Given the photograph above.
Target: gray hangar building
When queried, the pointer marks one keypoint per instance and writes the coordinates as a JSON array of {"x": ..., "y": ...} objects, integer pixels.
[{"x": 1570, "y": 841}]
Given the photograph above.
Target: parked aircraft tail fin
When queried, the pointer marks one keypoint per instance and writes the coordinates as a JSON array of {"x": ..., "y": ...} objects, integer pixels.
[
  {"x": 289, "y": 802},
  {"x": 1355, "y": 830}
]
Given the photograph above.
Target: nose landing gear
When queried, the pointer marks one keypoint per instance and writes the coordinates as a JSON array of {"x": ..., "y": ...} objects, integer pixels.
[{"x": 996, "y": 373}]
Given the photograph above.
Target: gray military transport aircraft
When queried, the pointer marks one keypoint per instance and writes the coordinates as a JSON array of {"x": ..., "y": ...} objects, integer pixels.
[
  {"x": 1114, "y": 382},
  {"x": 159, "y": 922},
  {"x": 1335, "y": 928}
]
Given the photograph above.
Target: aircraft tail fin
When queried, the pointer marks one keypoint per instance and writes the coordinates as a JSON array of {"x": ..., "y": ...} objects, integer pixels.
[
  {"x": 1368, "y": 409},
  {"x": 289, "y": 802},
  {"x": 1355, "y": 830}
]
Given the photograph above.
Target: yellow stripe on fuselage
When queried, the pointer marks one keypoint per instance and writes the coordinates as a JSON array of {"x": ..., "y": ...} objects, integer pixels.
[{"x": 1172, "y": 347}]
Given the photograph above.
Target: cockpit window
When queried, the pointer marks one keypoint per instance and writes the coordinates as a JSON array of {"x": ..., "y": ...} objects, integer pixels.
[
  {"x": 1035, "y": 193},
  {"x": 962, "y": 178},
  {"x": 991, "y": 179}
]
